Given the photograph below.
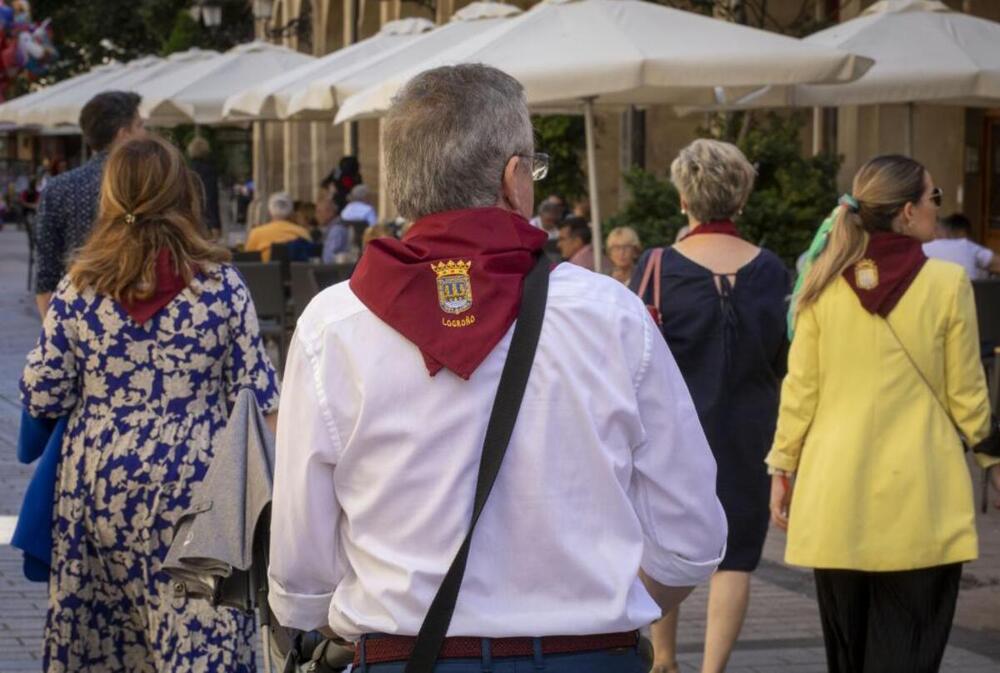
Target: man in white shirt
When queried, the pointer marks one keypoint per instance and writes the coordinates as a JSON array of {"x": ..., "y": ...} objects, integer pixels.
[
  {"x": 359, "y": 206},
  {"x": 953, "y": 245},
  {"x": 549, "y": 213},
  {"x": 604, "y": 512}
]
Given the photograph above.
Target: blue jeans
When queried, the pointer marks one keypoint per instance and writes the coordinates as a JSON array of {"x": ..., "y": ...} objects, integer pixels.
[{"x": 623, "y": 660}]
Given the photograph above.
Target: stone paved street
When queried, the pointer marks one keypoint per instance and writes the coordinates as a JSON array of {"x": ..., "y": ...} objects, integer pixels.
[{"x": 782, "y": 631}]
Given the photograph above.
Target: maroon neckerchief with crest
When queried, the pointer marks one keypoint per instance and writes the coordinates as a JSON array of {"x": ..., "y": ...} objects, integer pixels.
[
  {"x": 169, "y": 283},
  {"x": 724, "y": 227},
  {"x": 882, "y": 276},
  {"x": 452, "y": 285}
]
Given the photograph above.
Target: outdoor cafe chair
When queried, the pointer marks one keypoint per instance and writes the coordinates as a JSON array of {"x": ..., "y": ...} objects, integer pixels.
[
  {"x": 304, "y": 286},
  {"x": 987, "y": 296},
  {"x": 267, "y": 289},
  {"x": 325, "y": 275},
  {"x": 246, "y": 256}
]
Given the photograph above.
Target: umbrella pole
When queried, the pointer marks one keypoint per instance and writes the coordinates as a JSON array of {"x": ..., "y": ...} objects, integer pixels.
[
  {"x": 909, "y": 129},
  {"x": 595, "y": 208}
]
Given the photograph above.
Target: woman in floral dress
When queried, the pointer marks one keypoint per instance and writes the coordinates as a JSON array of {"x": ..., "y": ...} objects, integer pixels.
[{"x": 145, "y": 346}]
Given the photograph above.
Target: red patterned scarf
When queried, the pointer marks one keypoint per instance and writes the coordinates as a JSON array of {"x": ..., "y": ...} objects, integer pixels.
[{"x": 452, "y": 286}]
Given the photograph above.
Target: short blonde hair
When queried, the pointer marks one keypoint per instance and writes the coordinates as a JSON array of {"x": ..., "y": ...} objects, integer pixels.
[
  {"x": 626, "y": 236},
  {"x": 714, "y": 178}
]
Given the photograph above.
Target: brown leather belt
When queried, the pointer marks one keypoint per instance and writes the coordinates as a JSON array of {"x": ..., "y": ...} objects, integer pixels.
[{"x": 381, "y": 649}]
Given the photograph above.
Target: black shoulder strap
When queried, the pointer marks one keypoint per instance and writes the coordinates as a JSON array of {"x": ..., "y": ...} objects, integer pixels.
[{"x": 510, "y": 392}]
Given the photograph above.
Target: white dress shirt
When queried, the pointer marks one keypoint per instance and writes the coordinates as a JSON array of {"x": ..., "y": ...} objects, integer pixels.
[
  {"x": 359, "y": 210},
  {"x": 972, "y": 257},
  {"x": 608, "y": 470}
]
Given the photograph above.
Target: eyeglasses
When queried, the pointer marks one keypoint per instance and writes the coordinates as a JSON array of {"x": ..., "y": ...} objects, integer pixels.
[
  {"x": 539, "y": 164},
  {"x": 937, "y": 196}
]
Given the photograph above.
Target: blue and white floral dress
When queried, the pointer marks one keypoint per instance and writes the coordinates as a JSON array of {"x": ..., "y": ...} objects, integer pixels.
[{"x": 145, "y": 403}]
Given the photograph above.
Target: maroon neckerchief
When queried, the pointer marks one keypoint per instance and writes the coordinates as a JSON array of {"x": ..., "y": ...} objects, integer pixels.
[
  {"x": 724, "y": 227},
  {"x": 452, "y": 286},
  {"x": 169, "y": 283},
  {"x": 882, "y": 276}
]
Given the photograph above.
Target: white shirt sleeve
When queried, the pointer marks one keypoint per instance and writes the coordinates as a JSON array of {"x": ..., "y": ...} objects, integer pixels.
[
  {"x": 306, "y": 564},
  {"x": 984, "y": 257},
  {"x": 673, "y": 479}
]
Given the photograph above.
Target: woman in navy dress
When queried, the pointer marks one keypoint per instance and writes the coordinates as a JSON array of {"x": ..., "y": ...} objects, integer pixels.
[
  {"x": 145, "y": 346},
  {"x": 722, "y": 309}
]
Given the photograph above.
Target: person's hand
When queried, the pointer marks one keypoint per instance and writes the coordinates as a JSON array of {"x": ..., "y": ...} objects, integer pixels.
[
  {"x": 781, "y": 498},
  {"x": 664, "y": 667},
  {"x": 994, "y": 474}
]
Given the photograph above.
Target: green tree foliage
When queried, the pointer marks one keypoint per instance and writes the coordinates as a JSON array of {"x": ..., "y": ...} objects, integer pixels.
[
  {"x": 791, "y": 196},
  {"x": 562, "y": 138},
  {"x": 653, "y": 209},
  {"x": 96, "y": 31}
]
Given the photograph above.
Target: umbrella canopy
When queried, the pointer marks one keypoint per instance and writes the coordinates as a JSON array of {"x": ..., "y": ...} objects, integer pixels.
[
  {"x": 269, "y": 99},
  {"x": 923, "y": 52},
  {"x": 573, "y": 53},
  {"x": 10, "y": 110},
  {"x": 323, "y": 95},
  {"x": 629, "y": 52},
  {"x": 63, "y": 105},
  {"x": 195, "y": 95}
]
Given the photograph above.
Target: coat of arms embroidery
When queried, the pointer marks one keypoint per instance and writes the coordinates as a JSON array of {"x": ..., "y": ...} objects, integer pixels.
[
  {"x": 866, "y": 274},
  {"x": 454, "y": 286}
]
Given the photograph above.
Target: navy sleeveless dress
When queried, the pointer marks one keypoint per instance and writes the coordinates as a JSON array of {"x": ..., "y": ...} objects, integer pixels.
[{"x": 729, "y": 341}]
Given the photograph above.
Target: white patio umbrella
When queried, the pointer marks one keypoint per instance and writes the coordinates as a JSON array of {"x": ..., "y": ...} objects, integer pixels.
[
  {"x": 195, "y": 95},
  {"x": 9, "y": 110},
  {"x": 323, "y": 95},
  {"x": 573, "y": 53},
  {"x": 924, "y": 53},
  {"x": 268, "y": 100},
  {"x": 64, "y": 105}
]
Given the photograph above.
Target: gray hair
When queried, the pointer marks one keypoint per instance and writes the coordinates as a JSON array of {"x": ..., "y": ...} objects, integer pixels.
[
  {"x": 280, "y": 205},
  {"x": 359, "y": 193},
  {"x": 449, "y": 135},
  {"x": 714, "y": 178}
]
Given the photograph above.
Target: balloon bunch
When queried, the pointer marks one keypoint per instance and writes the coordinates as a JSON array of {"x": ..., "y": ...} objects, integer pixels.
[{"x": 25, "y": 46}]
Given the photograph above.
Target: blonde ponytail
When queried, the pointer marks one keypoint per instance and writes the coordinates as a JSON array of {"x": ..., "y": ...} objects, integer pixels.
[
  {"x": 846, "y": 245},
  {"x": 881, "y": 188}
]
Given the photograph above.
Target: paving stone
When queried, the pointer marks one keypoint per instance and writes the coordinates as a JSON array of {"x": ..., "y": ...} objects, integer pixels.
[{"x": 782, "y": 632}]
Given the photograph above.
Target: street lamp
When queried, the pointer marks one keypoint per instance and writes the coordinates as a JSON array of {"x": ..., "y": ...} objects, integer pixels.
[
  {"x": 211, "y": 15},
  {"x": 208, "y": 12},
  {"x": 263, "y": 9}
]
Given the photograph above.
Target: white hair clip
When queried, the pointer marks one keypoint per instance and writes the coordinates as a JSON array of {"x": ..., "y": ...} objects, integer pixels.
[{"x": 129, "y": 218}]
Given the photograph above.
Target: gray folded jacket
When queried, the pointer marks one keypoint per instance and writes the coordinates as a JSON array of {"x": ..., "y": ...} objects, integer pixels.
[{"x": 214, "y": 539}]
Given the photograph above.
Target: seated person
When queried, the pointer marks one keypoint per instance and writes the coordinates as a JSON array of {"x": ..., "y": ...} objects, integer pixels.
[
  {"x": 953, "y": 245},
  {"x": 575, "y": 243},
  {"x": 359, "y": 206},
  {"x": 278, "y": 230},
  {"x": 337, "y": 241}
]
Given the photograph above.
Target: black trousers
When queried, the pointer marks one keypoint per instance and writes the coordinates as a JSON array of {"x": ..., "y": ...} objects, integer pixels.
[{"x": 887, "y": 622}]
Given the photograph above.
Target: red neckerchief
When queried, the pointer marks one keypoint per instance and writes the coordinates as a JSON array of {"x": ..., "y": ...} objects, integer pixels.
[
  {"x": 452, "y": 286},
  {"x": 724, "y": 227},
  {"x": 169, "y": 283},
  {"x": 890, "y": 264}
]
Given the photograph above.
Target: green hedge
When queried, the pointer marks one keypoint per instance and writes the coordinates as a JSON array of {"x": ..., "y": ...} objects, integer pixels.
[{"x": 792, "y": 194}]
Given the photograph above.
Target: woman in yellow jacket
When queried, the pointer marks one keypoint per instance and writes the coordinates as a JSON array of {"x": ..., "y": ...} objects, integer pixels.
[{"x": 885, "y": 341}]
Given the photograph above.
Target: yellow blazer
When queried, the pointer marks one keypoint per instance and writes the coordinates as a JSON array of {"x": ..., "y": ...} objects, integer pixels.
[{"x": 881, "y": 480}]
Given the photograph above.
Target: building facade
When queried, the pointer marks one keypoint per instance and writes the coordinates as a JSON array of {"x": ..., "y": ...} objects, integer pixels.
[{"x": 960, "y": 146}]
